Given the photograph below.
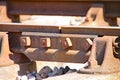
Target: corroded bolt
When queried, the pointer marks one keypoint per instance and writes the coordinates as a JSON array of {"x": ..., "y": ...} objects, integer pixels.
[
  {"x": 67, "y": 43},
  {"x": 25, "y": 41},
  {"x": 45, "y": 42},
  {"x": 86, "y": 44}
]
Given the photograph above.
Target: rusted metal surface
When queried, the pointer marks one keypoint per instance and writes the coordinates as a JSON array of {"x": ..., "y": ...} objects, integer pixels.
[
  {"x": 57, "y": 35},
  {"x": 3, "y": 12},
  {"x": 116, "y": 48},
  {"x": 64, "y": 43},
  {"x": 6, "y": 56},
  {"x": 95, "y": 16},
  {"x": 18, "y": 27},
  {"x": 55, "y": 52},
  {"x": 45, "y": 42},
  {"x": 98, "y": 30},
  {"x": 61, "y": 7},
  {"x": 5, "y": 52},
  {"x": 25, "y": 41},
  {"x": 101, "y": 59},
  {"x": 91, "y": 30},
  {"x": 4, "y": 16}
]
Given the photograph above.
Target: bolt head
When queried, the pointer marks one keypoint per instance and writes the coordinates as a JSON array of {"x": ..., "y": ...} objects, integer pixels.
[{"x": 25, "y": 41}]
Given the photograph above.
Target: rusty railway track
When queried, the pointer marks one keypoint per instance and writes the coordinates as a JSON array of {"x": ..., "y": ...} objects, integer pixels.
[
  {"x": 88, "y": 30},
  {"x": 98, "y": 44}
]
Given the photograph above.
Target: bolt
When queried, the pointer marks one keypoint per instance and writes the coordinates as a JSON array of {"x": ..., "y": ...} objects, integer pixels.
[
  {"x": 67, "y": 43},
  {"x": 86, "y": 44},
  {"x": 25, "y": 41},
  {"x": 45, "y": 42}
]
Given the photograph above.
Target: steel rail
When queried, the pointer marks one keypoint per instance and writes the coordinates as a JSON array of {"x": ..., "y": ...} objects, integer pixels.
[
  {"x": 89, "y": 30},
  {"x": 92, "y": 30},
  {"x": 19, "y": 27},
  {"x": 60, "y": 7},
  {"x": 56, "y": 35}
]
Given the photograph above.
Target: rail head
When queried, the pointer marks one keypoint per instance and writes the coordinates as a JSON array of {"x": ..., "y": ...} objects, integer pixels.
[
  {"x": 88, "y": 30},
  {"x": 61, "y": 7}
]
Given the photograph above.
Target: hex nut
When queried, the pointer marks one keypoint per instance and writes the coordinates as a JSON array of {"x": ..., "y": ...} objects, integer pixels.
[
  {"x": 86, "y": 44},
  {"x": 66, "y": 43},
  {"x": 25, "y": 41},
  {"x": 45, "y": 42}
]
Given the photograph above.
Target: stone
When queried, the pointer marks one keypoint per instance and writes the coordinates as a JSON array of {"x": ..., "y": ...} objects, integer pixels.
[
  {"x": 61, "y": 71},
  {"x": 66, "y": 69},
  {"x": 29, "y": 74},
  {"x": 38, "y": 77},
  {"x": 31, "y": 78},
  {"x": 45, "y": 69},
  {"x": 72, "y": 70},
  {"x": 50, "y": 74},
  {"x": 24, "y": 77},
  {"x": 34, "y": 73},
  {"x": 44, "y": 75},
  {"x": 55, "y": 71}
]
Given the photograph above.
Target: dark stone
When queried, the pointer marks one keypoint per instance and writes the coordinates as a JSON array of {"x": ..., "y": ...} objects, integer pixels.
[
  {"x": 55, "y": 71},
  {"x": 34, "y": 73},
  {"x": 38, "y": 77},
  {"x": 44, "y": 75},
  {"x": 44, "y": 71},
  {"x": 74, "y": 70},
  {"x": 66, "y": 69},
  {"x": 50, "y": 74},
  {"x": 61, "y": 71}
]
